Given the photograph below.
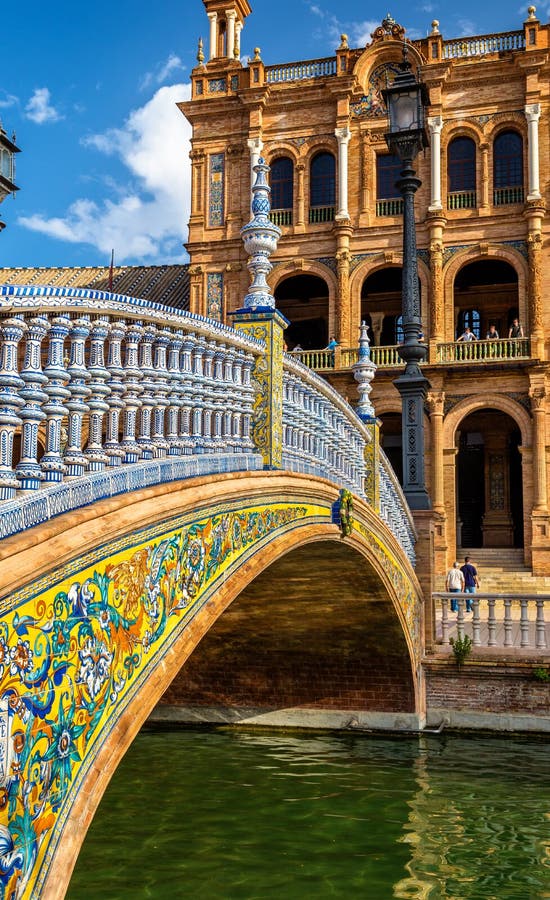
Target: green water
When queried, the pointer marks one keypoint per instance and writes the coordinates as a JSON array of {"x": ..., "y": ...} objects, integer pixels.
[{"x": 228, "y": 814}]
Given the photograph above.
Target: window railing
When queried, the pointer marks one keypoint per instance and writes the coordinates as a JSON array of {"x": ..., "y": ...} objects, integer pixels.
[
  {"x": 320, "y": 214},
  {"x": 486, "y": 43},
  {"x": 389, "y": 207},
  {"x": 462, "y": 200},
  {"x": 508, "y": 195},
  {"x": 281, "y": 217},
  {"x": 476, "y": 351},
  {"x": 296, "y": 71}
]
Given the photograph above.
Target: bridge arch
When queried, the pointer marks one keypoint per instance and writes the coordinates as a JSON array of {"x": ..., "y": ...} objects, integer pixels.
[{"x": 243, "y": 525}]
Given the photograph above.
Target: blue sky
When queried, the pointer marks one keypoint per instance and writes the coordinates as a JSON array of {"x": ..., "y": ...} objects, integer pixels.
[{"x": 90, "y": 90}]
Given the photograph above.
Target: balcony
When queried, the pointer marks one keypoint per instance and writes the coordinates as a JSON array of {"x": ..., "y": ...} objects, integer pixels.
[
  {"x": 320, "y": 214},
  {"x": 281, "y": 217},
  {"x": 462, "y": 200},
  {"x": 454, "y": 352},
  {"x": 506, "y": 196},
  {"x": 389, "y": 207}
]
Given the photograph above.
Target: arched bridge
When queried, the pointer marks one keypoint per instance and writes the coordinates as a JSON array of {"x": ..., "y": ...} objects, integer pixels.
[{"x": 172, "y": 488}]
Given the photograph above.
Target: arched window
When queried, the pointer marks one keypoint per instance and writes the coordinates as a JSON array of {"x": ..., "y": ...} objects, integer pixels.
[
  {"x": 508, "y": 168},
  {"x": 470, "y": 318},
  {"x": 461, "y": 174},
  {"x": 388, "y": 199},
  {"x": 282, "y": 193},
  {"x": 322, "y": 188}
]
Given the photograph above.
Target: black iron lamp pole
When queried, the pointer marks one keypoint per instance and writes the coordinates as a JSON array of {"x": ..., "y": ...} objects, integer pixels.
[{"x": 406, "y": 99}]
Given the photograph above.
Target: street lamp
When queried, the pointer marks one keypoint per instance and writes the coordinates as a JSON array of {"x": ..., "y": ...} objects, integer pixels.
[
  {"x": 8, "y": 149},
  {"x": 406, "y": 99}
]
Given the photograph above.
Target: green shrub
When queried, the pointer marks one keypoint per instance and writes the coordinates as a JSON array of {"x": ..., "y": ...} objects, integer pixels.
[{"x": 462, "y": 647}]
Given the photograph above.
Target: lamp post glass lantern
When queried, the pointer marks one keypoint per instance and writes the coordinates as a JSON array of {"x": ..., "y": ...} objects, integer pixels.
[{"x": 406, "y": 100}]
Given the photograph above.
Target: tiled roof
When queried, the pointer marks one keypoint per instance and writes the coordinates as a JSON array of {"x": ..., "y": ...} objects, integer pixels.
[{"x": 161, "y": 284}]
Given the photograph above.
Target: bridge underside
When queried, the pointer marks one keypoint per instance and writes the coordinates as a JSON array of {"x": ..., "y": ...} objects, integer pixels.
[{"x": 314, "y": 631}]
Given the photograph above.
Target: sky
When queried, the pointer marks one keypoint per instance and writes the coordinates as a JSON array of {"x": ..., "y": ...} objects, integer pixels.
[{"x": 91, "y": 90}]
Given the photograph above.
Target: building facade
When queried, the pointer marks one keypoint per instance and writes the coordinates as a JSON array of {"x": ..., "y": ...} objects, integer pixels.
[{"x": 481, "y": 236}]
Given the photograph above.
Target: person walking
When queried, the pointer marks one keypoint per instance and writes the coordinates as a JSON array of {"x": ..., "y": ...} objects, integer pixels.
[
  {"x": 454, "y": 583},
  {"x": 471, "y": 580}
]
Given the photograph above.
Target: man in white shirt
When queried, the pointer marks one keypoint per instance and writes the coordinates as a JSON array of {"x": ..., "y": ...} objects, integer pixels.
[{"x": 454, "y": 583}]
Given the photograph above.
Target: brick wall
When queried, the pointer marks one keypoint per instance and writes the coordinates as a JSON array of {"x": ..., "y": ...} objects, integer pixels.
[{"x": 497, "y": 688}]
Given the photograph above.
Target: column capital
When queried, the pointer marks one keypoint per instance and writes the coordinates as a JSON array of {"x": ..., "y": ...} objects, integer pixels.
[
  {"x": 342, "y": 134},
  {"x": 255, "y": 145},
  {"x": 435, "y": 124},
  {"x": 532, "y": 112},
  {"x": 212, "y": 16},
  {"x": 230, "y": 14}
]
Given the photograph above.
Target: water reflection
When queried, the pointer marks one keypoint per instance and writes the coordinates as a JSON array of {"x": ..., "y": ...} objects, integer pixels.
[{"x": 224, "y": 814}]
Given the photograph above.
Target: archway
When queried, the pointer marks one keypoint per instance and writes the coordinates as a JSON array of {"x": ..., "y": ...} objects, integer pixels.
[
  {"x": 316, "y": 630},
  {"x": 489, "y": 481},
  {"x": 304, "y": 301},
  {"x": 485, "y": 294},
  {"x": 381, "y": 305}
]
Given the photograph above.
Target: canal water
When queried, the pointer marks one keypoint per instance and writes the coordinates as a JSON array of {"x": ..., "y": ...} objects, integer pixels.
[{"x": 237, "y": 815}]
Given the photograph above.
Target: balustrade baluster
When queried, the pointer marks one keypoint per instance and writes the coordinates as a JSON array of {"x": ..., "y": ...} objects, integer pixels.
[
  {"x": 175, "y": 397},
  {"x": 99, "y": 391},
  {"x": 144, "y": 441},
  {"x": 524, "y": 623},
  {"x": 132, "y": 390},
  {"x": 492, "y": 623},
  {"x": 218, "y": 398},
  {"x": 28, "y": 470},
  {"x": 74, "y": 457},
  {"x": 476, "y": 623},
  {"x": 115, "y": 403},
  {"x": 187, "y": 383},
  {"x": 11, "y": 332},
  {"x": 228, "y": 387},
  {"x": 198, "y": 402},
  {"x": 248, "y": 402},
  {"x": 444, "y": 621},
  {"x": 159, "y": 438},
  {"x": 55, "y": 387},
  {"x": 238, "y": 411},
  {"x": 209, "y": 388},
  {"x": 540, "y": 626},
  {"x": 508, "y": 640},
  {"x": 460, "y": 618}
]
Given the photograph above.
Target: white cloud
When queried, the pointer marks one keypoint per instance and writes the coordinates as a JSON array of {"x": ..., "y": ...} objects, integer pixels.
[
  {"x": 146, "y": 219},
  {"x": 162, "y": 72},
  {"x": 7, "y": 100},
  {"x": 39, "y": 108}
]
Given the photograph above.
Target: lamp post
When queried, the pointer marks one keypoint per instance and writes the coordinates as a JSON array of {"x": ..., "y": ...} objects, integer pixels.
[
  {"x": 406, "y": 99},
  {"x": 8, "y": 149}
]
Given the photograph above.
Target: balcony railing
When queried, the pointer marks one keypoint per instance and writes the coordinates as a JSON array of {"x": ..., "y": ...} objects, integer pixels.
[
  {"x": 462, "y": 200},
  {"x": 319, "y": 360},
  {"x": 482, "y": 44},
  {"x": 486, "y": 351},
  {"x": 281, "y": 217},
  {"x": 389, "y": 207},
  {"x": 508, "y": 195},
  {"x": 503, "y": 621},
  {"x": 320, "y": 214},
  {"x": 297, "y": 71}
]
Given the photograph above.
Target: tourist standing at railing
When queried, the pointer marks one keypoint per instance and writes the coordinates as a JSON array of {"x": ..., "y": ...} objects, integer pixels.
[
  {"x": 492, "y": 334},
  {"x": 454, "y": 583},
  {"x": 332, "y": 345},
  {"x": 471, "y": 580},
  {"x": 297, "y": 348},
  {"x": 467, "y": 336},
  {"x": 516, "y": 330}
]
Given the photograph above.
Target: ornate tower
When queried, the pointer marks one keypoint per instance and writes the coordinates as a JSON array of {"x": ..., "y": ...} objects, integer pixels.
[{"x": 226, "y": 23}]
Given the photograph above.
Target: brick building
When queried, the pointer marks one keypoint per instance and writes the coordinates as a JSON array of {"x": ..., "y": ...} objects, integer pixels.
[{"x": 481, "y": 233}]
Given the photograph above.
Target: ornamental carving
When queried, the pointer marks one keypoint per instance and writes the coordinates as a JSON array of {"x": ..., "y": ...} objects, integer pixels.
[{"x": 388, "y": 28}]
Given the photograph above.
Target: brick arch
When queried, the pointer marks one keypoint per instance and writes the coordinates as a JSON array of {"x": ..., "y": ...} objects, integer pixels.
[
  {"x": 294, "y": 267},
  {"x": 374, "y": 264},
  {"x": 473, "y": 254},
  {"x": 389, "y": 570},
  {"x": 381, "y": 52},
  {"x": 487, "y": 401},
  {"x": 462, "y": 128},
  {"x": 282, "y": 149}
]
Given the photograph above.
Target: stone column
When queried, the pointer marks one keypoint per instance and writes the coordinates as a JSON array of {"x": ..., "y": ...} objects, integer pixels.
[
  {"x": 213, "y": 34},
  {"x": 534, "y": 249},
  {"x": 255, "y": 145},
  {"x": 238, "y": 29},
  {"x": 532, "y": 114},
  {"x": 435, "y": 124},
  {"x": 436, "y": 403},
  {"x": 300, "y": 196},
  {"x": 537, "y": 396},
  {"x": 230, "y": 15},
  {"x": 343, "y": 318},
  {"x": 343, "y": 135},
  {"x": 484, "y": 176}
]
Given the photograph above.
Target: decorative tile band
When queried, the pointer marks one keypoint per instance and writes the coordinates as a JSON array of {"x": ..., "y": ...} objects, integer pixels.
[
  {"x": 216, "y": 198},
  {"x": 214, "y": 295}
]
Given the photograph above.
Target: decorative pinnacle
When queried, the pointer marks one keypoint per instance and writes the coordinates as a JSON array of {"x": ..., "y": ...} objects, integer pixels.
[
  {"x": 364, "y": 371},
  {"x": 435, "y": 26},
  {"x": 343, "y": 42},
  {"x": 260, "y": 239},
  {"x": 257, "y": 57},
  {"x": 200, "y": 54},
  {"x": 531, "y": 12}
]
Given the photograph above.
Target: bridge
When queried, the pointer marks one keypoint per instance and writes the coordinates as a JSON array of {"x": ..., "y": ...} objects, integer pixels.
[{"x": 157, "y": 471}]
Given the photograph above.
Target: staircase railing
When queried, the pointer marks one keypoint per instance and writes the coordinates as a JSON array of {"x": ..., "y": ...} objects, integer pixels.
[{"x": 502, "y": 621}]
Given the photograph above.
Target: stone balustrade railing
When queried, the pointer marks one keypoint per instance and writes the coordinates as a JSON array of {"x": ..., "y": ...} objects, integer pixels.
[
  {"x": 497, "y": 620},
  {"x": 483, "y": 44},
  {"x": 91, "y": 383},
  {"x": 483, "y": 351},
  {"x": 297, "y": 71},
  {"x": 394, "y": 509},
  {"x": 322, "y": 434}
]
